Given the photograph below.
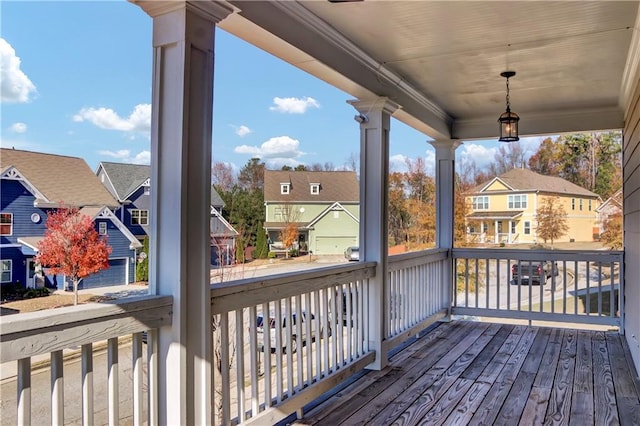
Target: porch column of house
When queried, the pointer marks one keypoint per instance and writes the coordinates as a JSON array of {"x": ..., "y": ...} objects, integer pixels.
[
  {"x": 510, "y": 224},
  {"x": 182, "y": 96},
  {"x": 374, "y": 117},
  {"x": 496, "y": 236},
  {"x": 445, "y": 210}
]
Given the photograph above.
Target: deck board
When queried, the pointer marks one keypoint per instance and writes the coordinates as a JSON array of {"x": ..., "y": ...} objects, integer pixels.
[{"x": 481, "y": 373}]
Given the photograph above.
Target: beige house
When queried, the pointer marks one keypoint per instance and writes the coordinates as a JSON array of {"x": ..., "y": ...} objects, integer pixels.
[
  {"x": 612, "y": 206},
  {"x": 503, "y": 210}
]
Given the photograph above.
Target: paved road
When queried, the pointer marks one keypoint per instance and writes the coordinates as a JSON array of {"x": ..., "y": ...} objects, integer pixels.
[{"x": 41, "y": 390}]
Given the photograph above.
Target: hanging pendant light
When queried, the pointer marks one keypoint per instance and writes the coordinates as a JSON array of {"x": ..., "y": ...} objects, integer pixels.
[{"x": 508, "y": 120}]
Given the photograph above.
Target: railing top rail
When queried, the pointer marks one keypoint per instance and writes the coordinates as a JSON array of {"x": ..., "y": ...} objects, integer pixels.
[
  {"x": 399, "y": 261},
  {"x": 33, "y": 333},
  {"x": 525, "y": 255},
  {"x": 226, "y": 297}
]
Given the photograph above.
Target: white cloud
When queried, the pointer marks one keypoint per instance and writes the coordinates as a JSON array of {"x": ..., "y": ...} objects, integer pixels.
[
  {"x": 482, "y": 155},
  {"x": 243, "y": 131},
  {"x": 279, "y": 148},
  {"x": 124, "y": 155},
  {"x": 106, "y": 118},
  {"x": 18, "y": 127},
  {"x": 398, "y": 162},
  {"x": 15, "y": 86},
  {"x": 293, "y": 105}
]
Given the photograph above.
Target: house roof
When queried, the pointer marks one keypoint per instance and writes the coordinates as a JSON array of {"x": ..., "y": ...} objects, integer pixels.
[
  {"x": 58, "y": 178},
  {"x": 126, "y": 178},
  {"x": 339, "y": 186},
  {"x": 524, "y": 180},
  {"x": 615, "y": 200}
]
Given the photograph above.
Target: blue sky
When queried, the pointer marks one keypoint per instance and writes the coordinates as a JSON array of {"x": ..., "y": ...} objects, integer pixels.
[{"x": 76, "y": 80}]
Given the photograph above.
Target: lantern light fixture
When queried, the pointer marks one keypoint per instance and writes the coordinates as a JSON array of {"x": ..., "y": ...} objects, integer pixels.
[{"x": 508, "y": 120}]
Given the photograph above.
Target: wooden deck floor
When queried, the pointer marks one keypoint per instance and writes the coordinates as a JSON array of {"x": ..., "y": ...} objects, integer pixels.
[{"x": 471, "y": 373}]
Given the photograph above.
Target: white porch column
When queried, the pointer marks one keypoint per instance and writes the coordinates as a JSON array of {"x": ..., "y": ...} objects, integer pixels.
[
  {"x": 496, "y": 236},
  {"x": 375, "y": 122},
  {"x": 510, "y": 224},
  {"x": 183, "y": 42},
  {"x": 445, "y": 202}
]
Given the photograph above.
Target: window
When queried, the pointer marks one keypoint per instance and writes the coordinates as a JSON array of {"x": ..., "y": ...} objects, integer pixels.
[
  {"x": 284, "y": 188},
  {"x": 513, "y": 227},
  {"x": 527, "y": 227},
  {"x": 471, "y": 229},
  {"x": 589, "y": 205},
  {"x": 5, "y": 271},
  {"x": 481, "y": 203},
  {"x": 6, "y": 223},
  {"x": 573, "y": 204},
  {"x": 139, "y": 217},
  {"x": 102, "y": 228},
  {"x": 484, "y": 227},
  {"x": 580, "y": 204},
  {"x": 517, "y": 201},
  {"x": 315, "y": 189},
  {"x": 147, "y": 190}
]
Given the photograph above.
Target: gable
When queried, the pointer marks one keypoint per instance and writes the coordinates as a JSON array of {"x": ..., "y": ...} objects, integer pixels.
[
  {"x": 335, "y": 207},
  {"x": 496, "y": 185}
]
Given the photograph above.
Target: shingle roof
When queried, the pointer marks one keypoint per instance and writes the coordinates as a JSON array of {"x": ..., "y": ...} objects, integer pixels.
[
  {"x": 334, "y": 186},
  {"x": 216, "y": 199},
  {"x": 125, "y": 178},
  {"x": 527, "y": 180},
  {"x": 59, "y": 178}
]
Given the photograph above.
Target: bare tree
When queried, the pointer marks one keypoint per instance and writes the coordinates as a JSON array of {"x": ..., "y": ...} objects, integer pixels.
[
  {"x": 552, "y": 219},
  {"x": 222, "y": 176}
]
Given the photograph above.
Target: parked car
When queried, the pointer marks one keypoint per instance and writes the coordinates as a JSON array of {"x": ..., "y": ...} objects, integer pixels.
[
  {"x": 281, "y": 326},
  {"x": 352, "y": 253},
  {"x": 533, "y": 271}
]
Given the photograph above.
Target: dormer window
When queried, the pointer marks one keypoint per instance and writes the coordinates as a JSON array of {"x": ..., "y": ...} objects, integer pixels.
[
  {"x": 285, "y": 188},
  {"x": 315, "y": 188}
]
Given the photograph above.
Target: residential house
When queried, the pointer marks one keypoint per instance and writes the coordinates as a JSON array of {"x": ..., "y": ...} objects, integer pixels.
[
  {"x": 323, "y": 205},
  {"x": 503, "y": 210},
  {"x": 223, "y": 234},
  {"x": 130, "y": 184},
  {"x": 612, "y": 206},
  {"x": 34, "y": 184}
]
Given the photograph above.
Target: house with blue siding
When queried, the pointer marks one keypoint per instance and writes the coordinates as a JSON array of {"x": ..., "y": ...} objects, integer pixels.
[
  {"x": 35, "y": 184},
  {"x": 130, "y": 185}
]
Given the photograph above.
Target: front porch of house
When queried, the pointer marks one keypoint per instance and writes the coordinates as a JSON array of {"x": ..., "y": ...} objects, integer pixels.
[
  {"x": 470, "y": 373},
  {"x": 209, "y": 356}
]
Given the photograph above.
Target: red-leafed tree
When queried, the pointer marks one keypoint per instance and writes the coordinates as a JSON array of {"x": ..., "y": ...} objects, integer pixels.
[{"x": 72, "y": 246}]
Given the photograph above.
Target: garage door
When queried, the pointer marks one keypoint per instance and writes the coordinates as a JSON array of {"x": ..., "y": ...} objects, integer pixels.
[
  {"x": 333, "y": 245},
  {"x": 115, "y": 275}
]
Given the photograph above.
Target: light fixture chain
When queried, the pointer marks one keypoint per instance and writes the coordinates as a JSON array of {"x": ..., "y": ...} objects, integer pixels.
[{"x": 508, "y": 102}]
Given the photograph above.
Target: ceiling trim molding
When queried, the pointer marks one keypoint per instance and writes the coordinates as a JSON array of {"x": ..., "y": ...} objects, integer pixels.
[
  {"x": 631, "y": 73},
  {"x": 547, "y": 123},
  {"x": 310, "y": 20}
]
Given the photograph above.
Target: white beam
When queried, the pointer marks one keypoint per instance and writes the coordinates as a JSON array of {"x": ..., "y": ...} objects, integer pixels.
[
  {"x": 183, "y": 42},
  {"x": 375, "y": 123}
]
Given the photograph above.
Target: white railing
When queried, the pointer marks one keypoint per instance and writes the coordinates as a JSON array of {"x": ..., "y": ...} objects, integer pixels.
[
  {"x": 56, "y": 337},
  {"x": 416, "y": 293},
  {"x": 546, "y": 285},
  {"x": 266, "y": 364}
]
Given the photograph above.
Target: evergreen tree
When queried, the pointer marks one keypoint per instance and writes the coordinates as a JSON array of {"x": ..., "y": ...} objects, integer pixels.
[
  {"x": 262, "y": 249},
  {"x": 142, "y": 270}
]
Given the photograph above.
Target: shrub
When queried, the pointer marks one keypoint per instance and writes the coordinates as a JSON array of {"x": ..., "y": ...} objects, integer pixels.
[{"x": 272, "y": 255}]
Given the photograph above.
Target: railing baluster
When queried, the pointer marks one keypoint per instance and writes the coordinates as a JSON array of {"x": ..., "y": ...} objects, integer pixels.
[
  {"x": 225, "y": 386},
  {"x": 313, "y": 335},
  {"x": 266, "y": 341},
  {"x": 288, "y": 344},
  {"x": 254, "y": 359},
  {"x": 239, "y": 358},
  {"x": 587, "y": 299},
  {"x": 87, "y": 384},
  {"x": 137, "y": 367},
  {"x": 24, "y": 391},
  {"x": 278, "y": 349},
  {"x": 57, "y": 389},
  {"x": 152, "y": 376},
  {"x": 300, "y": 341},
  {"x": 113, "y": 379},
  {"x": 600, "y": 289}
]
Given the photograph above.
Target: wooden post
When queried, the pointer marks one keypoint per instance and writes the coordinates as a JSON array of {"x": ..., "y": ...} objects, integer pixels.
[
  {"x": 183, "y": 42},
  {"x": 374, "y": 117},
  {"x": 445, "y": 203}
]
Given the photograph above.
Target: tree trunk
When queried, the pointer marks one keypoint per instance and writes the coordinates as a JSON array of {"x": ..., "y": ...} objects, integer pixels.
[{"x": 75, "y": 291}]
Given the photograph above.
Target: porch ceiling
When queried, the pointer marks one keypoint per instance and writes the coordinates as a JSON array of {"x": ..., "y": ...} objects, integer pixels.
[{"x": 576, "y": 62}]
